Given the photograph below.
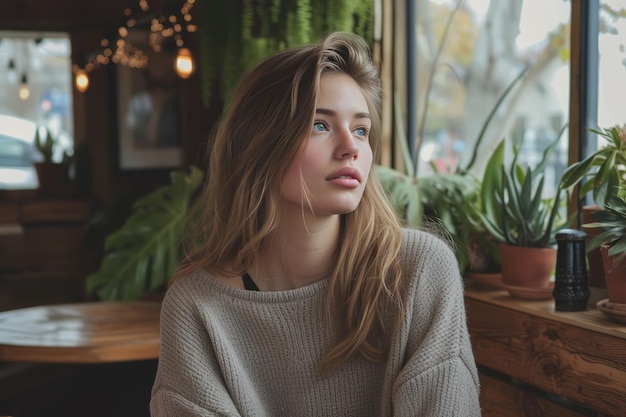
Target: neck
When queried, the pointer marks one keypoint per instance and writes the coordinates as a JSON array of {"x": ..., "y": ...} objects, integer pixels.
[{"x": 301, "y": 253}]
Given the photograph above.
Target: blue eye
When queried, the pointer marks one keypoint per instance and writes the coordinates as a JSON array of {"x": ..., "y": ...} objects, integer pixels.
[
  {"x": 361, "y": 131},
  {"x": 319, "y": 126}
]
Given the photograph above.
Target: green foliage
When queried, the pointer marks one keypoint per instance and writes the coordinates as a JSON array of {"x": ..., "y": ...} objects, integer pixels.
[
  {"x": 485, "y": 212},
  {"x": 142, "y": 254},
  {"x": 45, "y": 146},
  {"x": 612, "y": 223},
  {"x": 443, "y": 195},
  {"x": 403, "y": 193},
  {"x": 235, "y": 34},
  {"x": 439, "y": 197},
  {"x": 511, "y": 207},
  {"x": 603, "y": 172}
]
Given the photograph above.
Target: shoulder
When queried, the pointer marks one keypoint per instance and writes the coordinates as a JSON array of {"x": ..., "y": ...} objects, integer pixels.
[
  {"x": 434, "y": 299},
  {"x": 428, "y": 262},
  {"x": 190, "y": 291},
  {"x": 425, "y": 245},
  {"x": 196, "y": 296},
  {"x": 189, "y": 283}
]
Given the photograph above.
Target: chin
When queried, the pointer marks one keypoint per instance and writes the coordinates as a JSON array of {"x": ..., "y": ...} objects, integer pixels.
[
  {"x": 344, "y": 209},
  {"x": 338, "y": 205}
]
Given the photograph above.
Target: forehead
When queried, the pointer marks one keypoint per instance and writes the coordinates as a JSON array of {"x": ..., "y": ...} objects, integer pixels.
[{"x": 338, "y": 88}]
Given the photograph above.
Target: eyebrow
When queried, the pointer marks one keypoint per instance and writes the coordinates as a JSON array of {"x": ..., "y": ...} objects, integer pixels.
[{"x": 329, "y": 112}]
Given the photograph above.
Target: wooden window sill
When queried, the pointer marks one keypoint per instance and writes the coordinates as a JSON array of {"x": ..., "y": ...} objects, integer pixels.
[{"x": 575, "y": 356}]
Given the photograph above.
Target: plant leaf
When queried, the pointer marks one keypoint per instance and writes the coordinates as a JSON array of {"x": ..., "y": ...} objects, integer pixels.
[{"x": 140, "y": 256}]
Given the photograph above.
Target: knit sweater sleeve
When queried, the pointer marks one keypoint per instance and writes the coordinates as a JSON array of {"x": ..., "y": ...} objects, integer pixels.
[
  {"x": 439, "y": 376},
  {"x": 188, "y": 382}
]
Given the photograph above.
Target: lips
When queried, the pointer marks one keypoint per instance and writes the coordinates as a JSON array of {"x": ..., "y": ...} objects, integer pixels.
[
  {"x": 345, "y": 173},
  {"x": 345, "y": 178}
]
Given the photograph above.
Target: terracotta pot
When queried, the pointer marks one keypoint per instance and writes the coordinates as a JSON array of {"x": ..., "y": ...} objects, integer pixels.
[
  {"x": 615, "y": 277},
  {"x": 595, "y": 269},
  {"x": 527, "y": 267},
  {"x": 54, "y": 180},
  {"x": 487, "y": 280}
]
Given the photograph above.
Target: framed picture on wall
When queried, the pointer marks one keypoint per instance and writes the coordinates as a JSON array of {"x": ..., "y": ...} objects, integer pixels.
[{"x": 148, "y": 103}]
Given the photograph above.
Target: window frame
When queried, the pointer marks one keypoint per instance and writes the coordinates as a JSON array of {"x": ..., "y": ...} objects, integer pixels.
[{"x": 583, "y": 86}]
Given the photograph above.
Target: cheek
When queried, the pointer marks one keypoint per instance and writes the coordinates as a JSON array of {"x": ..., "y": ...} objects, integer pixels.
[
  {"x": 365, "y": 160},
  {"x": 296, "y": 174},
  {"x": 309, "y": 161},
  {"x": 291, "y": 180}
]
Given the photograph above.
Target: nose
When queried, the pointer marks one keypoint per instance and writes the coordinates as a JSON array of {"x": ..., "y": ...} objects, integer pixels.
[{"x": 347, "y": 147}]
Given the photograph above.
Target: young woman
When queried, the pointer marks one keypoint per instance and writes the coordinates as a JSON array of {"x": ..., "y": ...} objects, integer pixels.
[{"x": 303, "y": 295}]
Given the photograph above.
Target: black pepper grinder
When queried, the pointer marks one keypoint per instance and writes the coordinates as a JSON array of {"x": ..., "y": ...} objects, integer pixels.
[{"x": 571, "y": 291}]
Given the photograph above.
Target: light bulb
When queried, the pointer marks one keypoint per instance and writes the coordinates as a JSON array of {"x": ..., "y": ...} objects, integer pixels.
[
  {"x": 184, "y": 63},
  {"x": 24, "y": 92},
  {"x": 81, "y": 81}
]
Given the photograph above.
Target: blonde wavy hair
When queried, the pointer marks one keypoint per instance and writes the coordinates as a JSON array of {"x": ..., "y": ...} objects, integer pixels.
[{"x": 270, "y": 116}]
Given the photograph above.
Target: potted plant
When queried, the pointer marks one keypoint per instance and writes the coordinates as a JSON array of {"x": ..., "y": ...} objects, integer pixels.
[
  {"x": 602, "y": 173},
  {"x": 604, "y": 170},
  {"x": 141, "y": 255},
  {"x": 611, "y": 239},
  {"x": 514, "y": 212},
  {"x": 53, "y": 176},
  {"x": 442, "y": 196}
]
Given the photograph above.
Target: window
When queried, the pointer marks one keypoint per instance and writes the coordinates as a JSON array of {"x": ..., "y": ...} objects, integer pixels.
[
  {"x": 611, "y": 63},
  {"x": 35, "y": 93},
  {"x": 467, "y": 54}
]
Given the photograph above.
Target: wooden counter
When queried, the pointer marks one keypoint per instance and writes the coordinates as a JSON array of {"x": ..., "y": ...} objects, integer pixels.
[{"x": 535, "y": 361}]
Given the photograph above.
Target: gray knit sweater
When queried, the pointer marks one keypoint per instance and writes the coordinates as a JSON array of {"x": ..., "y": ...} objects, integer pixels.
[{"x": 231, "y": 352}]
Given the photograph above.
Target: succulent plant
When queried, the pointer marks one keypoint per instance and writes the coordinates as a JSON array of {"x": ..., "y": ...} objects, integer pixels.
[
  {"x": 511, "y": 206},
  {"x": 45, "y": 145}
]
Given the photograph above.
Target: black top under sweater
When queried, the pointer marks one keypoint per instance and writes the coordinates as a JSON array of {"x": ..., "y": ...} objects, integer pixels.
[{"x": 248, "y": 283}]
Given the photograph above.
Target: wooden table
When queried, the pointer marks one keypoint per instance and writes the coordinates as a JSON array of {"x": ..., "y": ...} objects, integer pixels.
[
  {"x": 92, "y": 332},
  {"x": 536, "y": 361}
]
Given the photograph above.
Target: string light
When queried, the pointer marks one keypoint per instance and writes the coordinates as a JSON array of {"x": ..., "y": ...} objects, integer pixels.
[
  {"x": 81, "y": 80},
  {"x": 184, "y": 63},
  {"x": 162, "y": 30}
]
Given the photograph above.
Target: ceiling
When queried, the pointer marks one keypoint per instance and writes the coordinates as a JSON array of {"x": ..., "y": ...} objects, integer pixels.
[{"x": 67, "y": 15}]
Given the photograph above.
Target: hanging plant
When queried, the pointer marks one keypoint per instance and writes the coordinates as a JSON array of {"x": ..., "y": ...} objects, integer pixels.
[{"x": 235, "y": 34}]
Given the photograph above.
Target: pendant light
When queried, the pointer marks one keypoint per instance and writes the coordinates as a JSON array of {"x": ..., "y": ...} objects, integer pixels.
[
  {"x": 81, "y": 80},
  {"x": 184, "y": 63},
  {"x": 24, "y": 92}
]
